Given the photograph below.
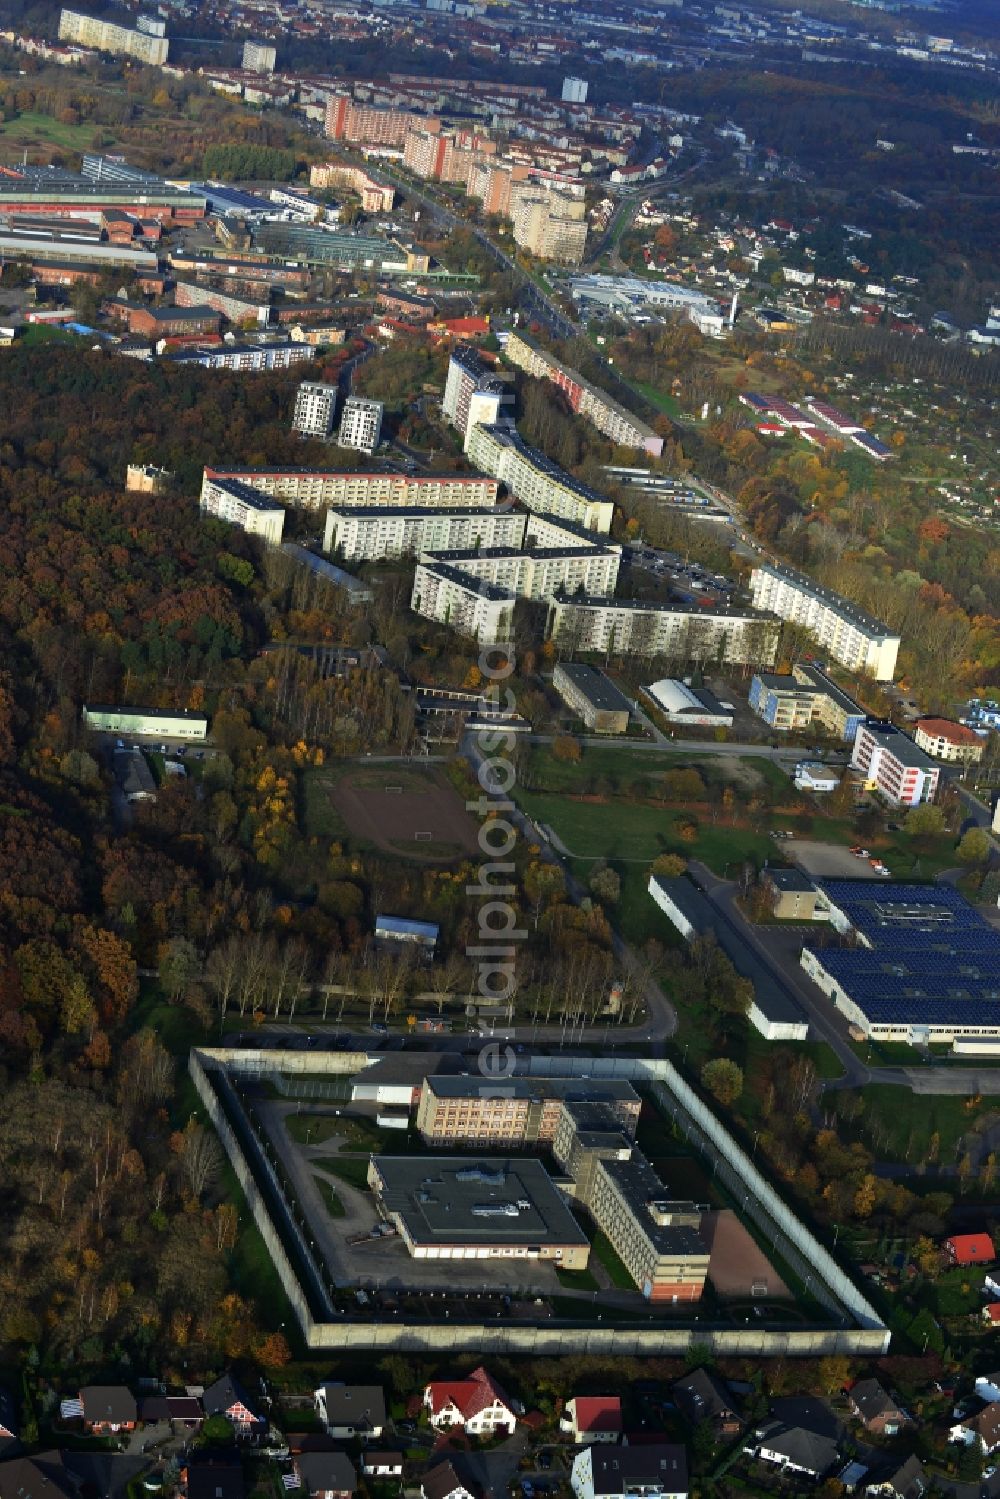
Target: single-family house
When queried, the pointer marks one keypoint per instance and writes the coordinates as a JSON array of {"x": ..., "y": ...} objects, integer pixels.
[
  {"x": 702, "y": 1396},
  {"x": 326, "y": 1475},
  {"x": 908, "y": 1481},
  {"x": 227, "y": 1397},
  {"x": 593, "y": 1418},
  {"x": 655, "y": 1471},
  {"x": 876, "y": 1409},
  {"x": 982, "y": 1428},
  {"x": 988, "y": 1387},
  {"x": 215, "y": 1479},
  {"x": 43, "y": 1476},
  {"x": 991, "y": 1314},
  {"x": 183, "y": 1412},
  {"x": 379, "y": 1464},
  {"x": 108, "y": 1408},
  {"x": 351, "y": 1410},
  {"x": 970, "y": 1249},
  {"x": 796, "y": 1449},
  {"x": 476, "y": 1403},
  {"x": 443, "y": 1482}
]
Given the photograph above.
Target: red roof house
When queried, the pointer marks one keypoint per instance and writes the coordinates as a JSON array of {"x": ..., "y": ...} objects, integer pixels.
[
  {"x": 593, "y": 1418},
  {"x": 970, "y": 1249},
  {"x": 476, "y": 1403},
  {"x": 991, "y": 1314}
]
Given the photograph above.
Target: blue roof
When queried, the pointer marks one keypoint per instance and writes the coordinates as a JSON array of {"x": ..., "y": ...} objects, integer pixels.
[
  {"x": 930, "y": 958},
  {"x": 403, "y": 926}
]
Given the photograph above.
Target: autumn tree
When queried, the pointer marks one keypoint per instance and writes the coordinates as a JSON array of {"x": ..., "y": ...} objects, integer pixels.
[{"x": 724, "y": 1080}]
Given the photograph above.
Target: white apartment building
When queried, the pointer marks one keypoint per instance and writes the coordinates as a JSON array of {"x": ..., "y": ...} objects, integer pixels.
[
  {"x": 370, "y": 532},
  {"x": 893, "y": 765},
  {"x": 315, "y": 409},
  {"x": 108, "y": 36},
  {"x": 311, "y": 489},
  {"x": 472, "y": 384},
  {"x": 259, "y": 57},
  {"x": 244, "y": 507},
  {"x": 541, "y": 572},
  {"x": 551, "y": 226},
  {"x": 638, "y": 627},
  {"x": 468, "y": 605},
  {"x": 360, "y": 424},
  {"x": 845, "y": 632},
  {"x": 535, "y": 480},
  {"x": 607, "y": 415}
]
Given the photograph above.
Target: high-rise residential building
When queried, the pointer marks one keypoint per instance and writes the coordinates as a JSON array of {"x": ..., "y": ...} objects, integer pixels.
[
  {"x": 366, "y": 125},
  {"x": 365, "y": 533},
  {"x": 108, "y": 36},
  {"x": 259, "y": 57},
  {"x": 574, "y": 90},
  {"x": 847, "y": 633},
  {"x": 315, "y": 409},
  {"x": 493, "y": 182},
  {"x": 535, "y": 480},
  {"x": 550, "y": 225},
  {"x": 469, "y": 374},
  {"x": 678, "y": 632},
  {"x": 360, "y": 424}
]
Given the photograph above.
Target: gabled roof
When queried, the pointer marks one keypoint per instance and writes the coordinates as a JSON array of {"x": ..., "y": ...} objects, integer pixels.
[
  {"x": 810, "y": 1450},
  {"x": 909, "y": 1480},
  {"x": 871, "y": 1400},
  {"x": 40, "y": 1477},
  {"x": 354, "y": 1404},
  {"x": 470, "y": 1395},
  {"x": 658, "y": 1464},
  {"x": 321, "y": 1471},
  {"x": 971, "y": 1249},
  {"x": 442, "y": 1481},
  {"x": 701, "y": 1396},
  {"x": 986, "y": 1424},
  {"x": 108, "y": 1402},
  {"x": 215, "y": 1480},
  {"x": 598, "y": 1412},
  {"x": 224, "y": 1394}
]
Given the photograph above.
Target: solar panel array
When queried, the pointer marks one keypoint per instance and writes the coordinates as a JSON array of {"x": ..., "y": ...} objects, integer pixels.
[{"x": 932, "y": 960}]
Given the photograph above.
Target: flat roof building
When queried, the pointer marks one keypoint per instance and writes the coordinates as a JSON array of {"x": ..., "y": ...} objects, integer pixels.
[
  {"x": 805, "y": 697},
  {"x": 679, "y": 632},
  {"x": 244, "y": 507},
  {"x": 455, "y": 1111},
  {"x": 311, "y": 489},
  {"x": 358, "y": 592},
  {"x": 608, "y": 415},
  {"x": 682, "y": 704},
  {"x": 463, "y": 1208},
  {"x": 165, "y": 723},
  {"x": 893, "y": 765},
  {"x": 596, "y": 700},
  {"x": 924, "y": 966},
  {"x": 851, "y": 636},
  {"x": 945, "y": 740}
]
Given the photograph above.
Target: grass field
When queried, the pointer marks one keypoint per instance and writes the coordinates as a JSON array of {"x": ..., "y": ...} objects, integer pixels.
[
  {"x": 42, "y": 130},
  {"x": 331, "y": 1201},
  {"x": 899, "y": 1123}
]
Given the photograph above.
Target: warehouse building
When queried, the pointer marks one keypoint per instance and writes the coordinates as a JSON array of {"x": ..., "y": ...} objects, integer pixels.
[
  {"x": 922, "y": 967},
  {"x": 466, "y": 1209},
  {"x": 847, "y": 633},
  {"x": 774, "y": 1010},
  {"x": 156, "y": 723},
  {"x": 592, "y": 697},
  {"x": 681, "y": 704}
]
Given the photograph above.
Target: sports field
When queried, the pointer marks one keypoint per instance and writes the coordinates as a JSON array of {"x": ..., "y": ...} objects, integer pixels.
[{"x": 404, "y": 810}]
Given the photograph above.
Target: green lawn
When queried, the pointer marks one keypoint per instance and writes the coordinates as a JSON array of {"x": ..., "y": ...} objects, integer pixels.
[
  {"x": 577, "y": 1280},
  {"x": 350, "y": 1169},
  {"x": 331, "y": 1201},
  {"x": 31, "y": 129},
  {"x": 605, "y": 1252},
  {"x": 313, "y": 1129},
  {"x": 659, "y": 398},
  {"x": 45, "y": 333},
  {"x": 899, "y": 1123}
]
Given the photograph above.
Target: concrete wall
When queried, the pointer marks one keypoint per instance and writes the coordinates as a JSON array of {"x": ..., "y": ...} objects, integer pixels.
[{"x": 869, "y": 1337}]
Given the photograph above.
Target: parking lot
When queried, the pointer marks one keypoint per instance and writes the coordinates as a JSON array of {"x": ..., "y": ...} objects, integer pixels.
[{"x": 827, "y": 861}]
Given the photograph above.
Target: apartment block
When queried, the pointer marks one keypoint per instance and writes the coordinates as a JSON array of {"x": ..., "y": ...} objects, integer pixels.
[
  {"x": 369, "y": 533},
  {"x": 366, "y": 125},
  {"x": 466, "y": 1111},
  {"x": 310, "y": 489},
  {"x": 471, "y": 606},
  {"x": 893, "y": 765},
  {"x": 259, "y": 57},
  {"x": 535, "y": 480},
  {"x": 804, "y": 697},
  {"x": 607, "y": 415},
  {"x": 472, "y": 389},
  {"x": 493, "y": 182},
  {"x": 945, "y": 740},
  {"x": 315, "y": 409},
  {"x": 655, "y": 1238},
  {"x": 376, "y": 197},
  {"x": 244, "y": 507},
  {"x": 246, "y": 357},
  {"x": 638, "y": 627},
  {"x": 538, "y": 572},
  {"x": 845, "y": 632},
  {"x": 108, "y": 36},
  {"x": 360, "y": 424},
  {"x": 550, "y": 226}
]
